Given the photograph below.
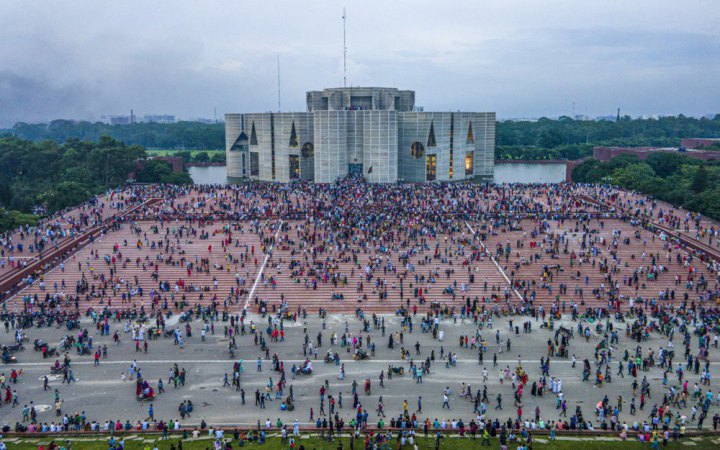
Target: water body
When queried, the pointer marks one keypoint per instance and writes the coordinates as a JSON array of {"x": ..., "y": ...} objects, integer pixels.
[
  {"x": 504, "y": 173},
  {"x": 529, "y": 173},
  {"x": 208, "y": 174}
]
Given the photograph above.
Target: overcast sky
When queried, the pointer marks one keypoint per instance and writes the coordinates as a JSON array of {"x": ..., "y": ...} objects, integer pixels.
[{"x": 525, "y": 58}]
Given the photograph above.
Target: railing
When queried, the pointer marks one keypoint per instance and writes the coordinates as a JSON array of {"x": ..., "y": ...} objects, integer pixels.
[
  {"x": 687, "y": 241},
  {"x": 15, "y": 280}
]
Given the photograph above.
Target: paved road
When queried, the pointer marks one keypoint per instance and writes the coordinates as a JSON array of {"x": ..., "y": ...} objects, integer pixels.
[{"x": 102, "y": 395}]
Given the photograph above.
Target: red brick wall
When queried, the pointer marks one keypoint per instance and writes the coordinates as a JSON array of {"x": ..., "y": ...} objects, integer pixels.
[
  {"x": 698, "y": 142},
  {"x": 608, "y": 153}
]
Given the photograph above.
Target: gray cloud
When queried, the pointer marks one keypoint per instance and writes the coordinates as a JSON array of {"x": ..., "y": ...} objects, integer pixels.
[{"x": 68, "y": 59}]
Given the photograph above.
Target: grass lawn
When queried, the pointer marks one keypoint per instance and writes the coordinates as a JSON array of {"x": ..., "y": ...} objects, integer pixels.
[{"x": 451, "y": 443}]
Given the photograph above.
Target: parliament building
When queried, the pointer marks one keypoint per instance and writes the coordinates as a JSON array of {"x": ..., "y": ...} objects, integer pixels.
[{"x": 375, "y": 132}]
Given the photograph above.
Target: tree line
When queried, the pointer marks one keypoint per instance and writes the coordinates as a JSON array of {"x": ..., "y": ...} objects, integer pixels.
[
  {"x": 180, "y": 135},
  {"x": 563, "y": 138},
  {"x": 673, "y": 177},
  {"x": 566, "y": 138},
  {"x": 44, "y": 177}
]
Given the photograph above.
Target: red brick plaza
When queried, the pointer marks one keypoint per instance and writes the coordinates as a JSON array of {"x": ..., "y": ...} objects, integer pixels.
[{"x": 352, "y": 245}]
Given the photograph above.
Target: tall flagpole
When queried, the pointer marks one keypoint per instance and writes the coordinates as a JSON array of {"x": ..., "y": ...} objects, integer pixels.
[{"x": 344, "y": 17}]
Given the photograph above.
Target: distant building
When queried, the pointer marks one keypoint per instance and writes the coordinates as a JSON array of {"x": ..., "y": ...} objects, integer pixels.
[
  {"x": 120, "y": 120},
  {"x": 370, "y": 131},
  {"x": 177, "y": 165},
  {"x": 159, "y": 118},
  {"x": 204, "y": 120},
  {"x": 699, "y": 143},
  {"x": 608, "y": 117},
  {"x": 520, "y": 119},
  {"x": 608, "y": 153}
]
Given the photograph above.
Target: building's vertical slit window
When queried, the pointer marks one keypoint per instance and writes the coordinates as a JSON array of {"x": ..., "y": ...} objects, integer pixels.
[
  {"x": 470, "y": 137},
  {"x": 272, "y": 146},
  {"x": 430, "y": 167},
  {"x": 469, "y": 162},
  {"x": 254, "y": 164},
  {"x": 452, "y": 144},
  {"x": 294, "y": 164}
]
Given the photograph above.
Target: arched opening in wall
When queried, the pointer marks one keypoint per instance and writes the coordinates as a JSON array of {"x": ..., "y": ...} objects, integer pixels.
[
  {"x": 294, "y": 166},
  {"x": 469, "y": 163},
  {"x": 417, "y": 150},
  {"x": 308, "y": 150},
  {"x": 241, "y": 143}
]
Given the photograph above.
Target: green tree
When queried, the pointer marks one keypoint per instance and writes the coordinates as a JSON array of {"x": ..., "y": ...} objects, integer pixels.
[
  {"x": 700, "y": 180},
  {"x": 666, "y": 164},
  {"x": 14, "y": 219},
  {"x": 638, "y": 176},
  {"x": 153, "y": 171},
  {"x": 186, "y": 156},
  {"x": 550, "y": 138},
  {"x": 56, "y": 176},
  {"x": 64, "y": 194},
  {"x": 201, "y": 157}
]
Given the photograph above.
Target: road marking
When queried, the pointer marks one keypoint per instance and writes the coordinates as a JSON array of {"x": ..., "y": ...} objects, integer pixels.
[
  {"x": 262, "y": 268},
  {"x": 502, "y": 272},
  {"x": 286, "y": 361}
]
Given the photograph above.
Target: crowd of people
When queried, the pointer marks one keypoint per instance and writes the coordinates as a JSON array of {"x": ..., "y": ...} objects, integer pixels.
[{"x": 435, "y": 255}]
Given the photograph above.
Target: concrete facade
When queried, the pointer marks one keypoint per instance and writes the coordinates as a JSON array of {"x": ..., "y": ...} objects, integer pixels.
[
  {"x": 463, "y": 145},
  {"x": 373, "y": 132}
]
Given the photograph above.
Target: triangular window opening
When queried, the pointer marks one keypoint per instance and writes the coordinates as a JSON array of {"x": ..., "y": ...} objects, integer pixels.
[
  {"x": 253, "y": 135},
  {"x": 293, "y": 136},
  {"x": 431, "y": 137},
  {"x": 470, "y": 137},
  {"x": 240, "y": 143}
]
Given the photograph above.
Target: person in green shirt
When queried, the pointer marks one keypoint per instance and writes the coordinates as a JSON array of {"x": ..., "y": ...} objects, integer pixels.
[
  {"x": 485, "y": 438},
  {"x": 655, "y": 442}
]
